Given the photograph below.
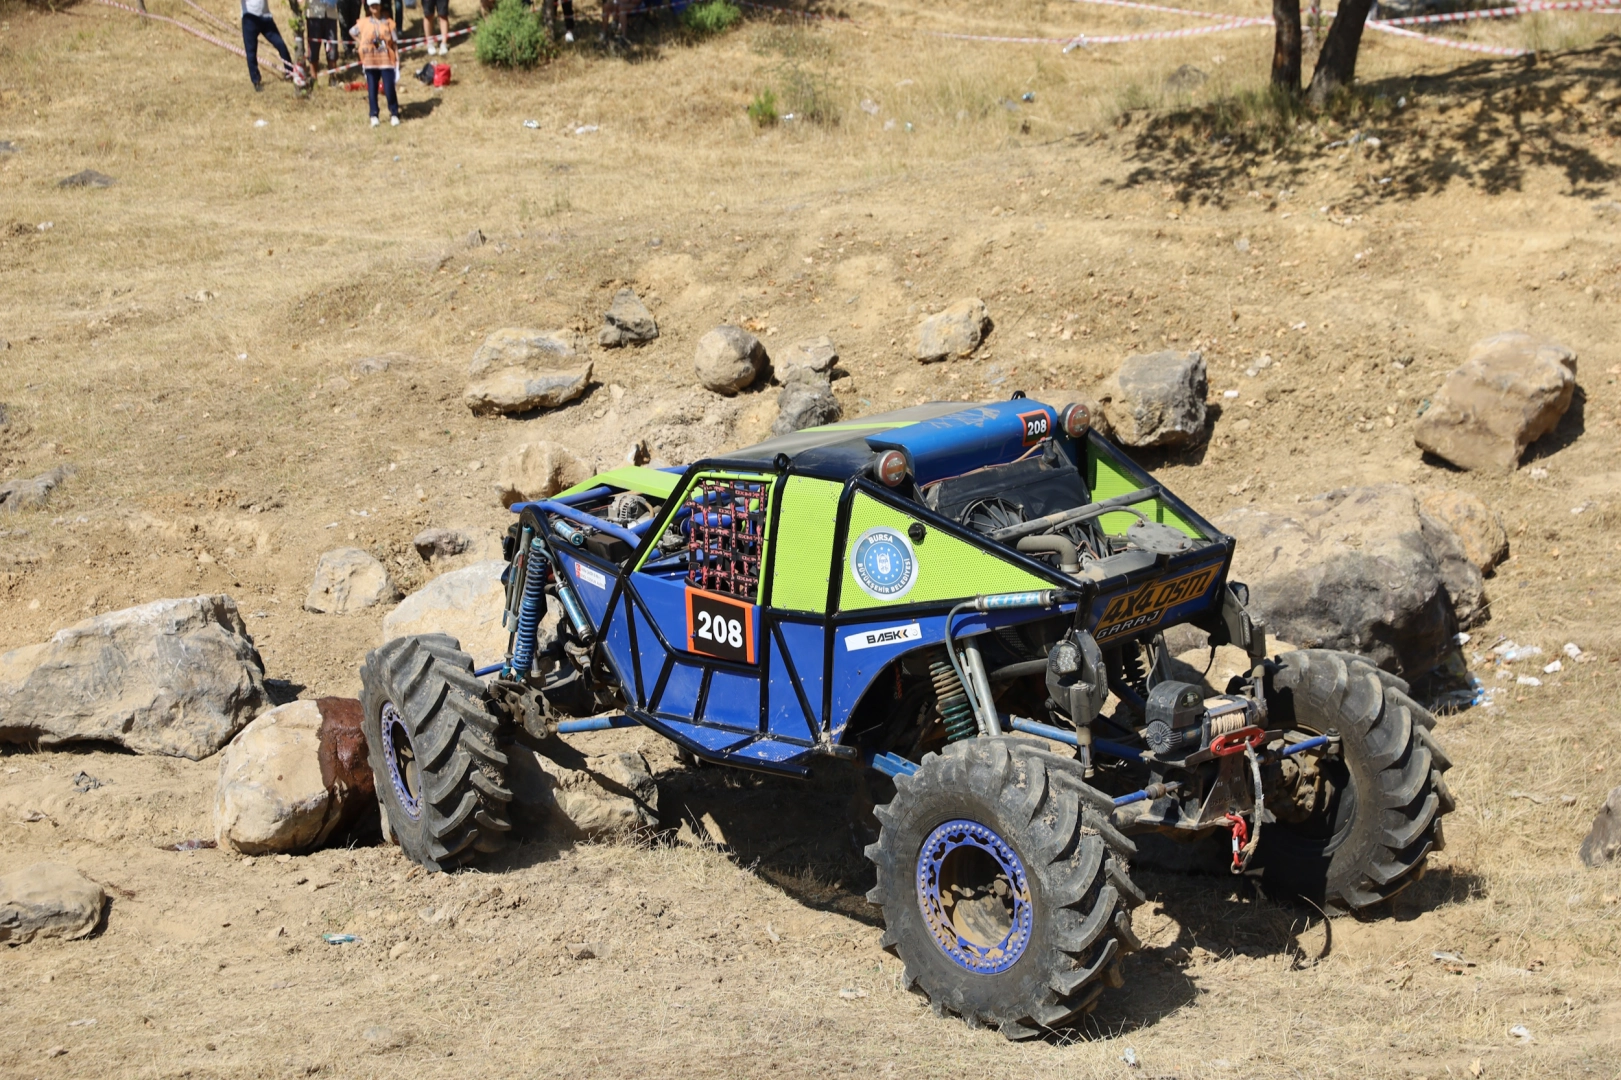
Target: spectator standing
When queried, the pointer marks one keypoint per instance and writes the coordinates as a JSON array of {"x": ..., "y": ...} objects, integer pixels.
[
  {"x": 441, "y": 8},
  {"x": 379, "y": 57},
  {"x": 349, "y": 12},
  {"x": 257, "y": 22},
  {"x": 321, "y": 33},
  {"x": 550, "y": 9}
]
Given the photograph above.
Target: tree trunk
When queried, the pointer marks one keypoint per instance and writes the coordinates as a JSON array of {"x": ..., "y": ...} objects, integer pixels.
[
  {"x": 1286, "y": 45},
  {"x": 1336, "y": 64}
]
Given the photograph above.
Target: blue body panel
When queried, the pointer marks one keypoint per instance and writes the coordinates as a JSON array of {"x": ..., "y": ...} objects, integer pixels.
[
  {"x": 733, "y": 700},
  {"x": 804, "y": 641},
  {"x": 963, "y": 441}
]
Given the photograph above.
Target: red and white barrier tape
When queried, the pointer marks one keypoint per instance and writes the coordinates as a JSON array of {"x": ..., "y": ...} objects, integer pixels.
[
  {"x": 275, "y": 63},
  {"x": 1451, "y": 43},
  {"x": 1086, "y": 40},
  {"x": 1504, "y": 12}
]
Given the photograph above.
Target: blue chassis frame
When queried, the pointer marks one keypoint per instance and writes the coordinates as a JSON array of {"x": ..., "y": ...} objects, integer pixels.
[{"x": 841, "y": 685}]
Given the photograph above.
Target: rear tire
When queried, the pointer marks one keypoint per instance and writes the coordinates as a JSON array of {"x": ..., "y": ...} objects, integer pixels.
[
  {"x": 431, "y": 741},
  {"x": 1004, "y": 888},
  {"x": 1369, "y": 839}
]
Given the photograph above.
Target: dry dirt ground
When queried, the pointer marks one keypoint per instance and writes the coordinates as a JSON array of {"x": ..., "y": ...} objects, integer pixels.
[{"x": 186, "y": 340}]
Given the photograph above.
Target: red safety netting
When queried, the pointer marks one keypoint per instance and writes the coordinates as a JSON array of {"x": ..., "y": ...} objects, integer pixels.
[{"x": 726, "y": 536}]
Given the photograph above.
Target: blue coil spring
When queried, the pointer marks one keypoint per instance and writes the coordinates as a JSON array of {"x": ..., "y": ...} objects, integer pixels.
[
  {"x": 955, "y": 712},
  {"x": 530, "y": 610}
]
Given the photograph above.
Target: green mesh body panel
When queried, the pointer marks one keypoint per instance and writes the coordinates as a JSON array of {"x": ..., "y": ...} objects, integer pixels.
[
  {"x": 1106, "y": 481},
  {"x": 810, "y": 509},
  {"x": 947, "y": 568}
]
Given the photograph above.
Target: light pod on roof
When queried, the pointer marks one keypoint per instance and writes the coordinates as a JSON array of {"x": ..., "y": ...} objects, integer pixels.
[
  {"x": 1075, "y": 418},
  {"x": 891, "y": 467}
]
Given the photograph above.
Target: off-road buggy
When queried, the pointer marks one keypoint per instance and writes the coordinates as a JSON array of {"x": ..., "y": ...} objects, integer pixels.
[{"x": 946, "y": 594}]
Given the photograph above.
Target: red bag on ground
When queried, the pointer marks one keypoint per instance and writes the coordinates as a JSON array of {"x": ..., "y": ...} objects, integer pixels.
[{"x": 441, "y": 74}]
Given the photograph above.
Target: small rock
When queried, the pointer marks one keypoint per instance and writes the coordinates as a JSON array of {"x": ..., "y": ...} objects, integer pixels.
[
  {"x": 805, "y": 403},
  {"x": 1510, "y": 391},
  {"x": 31, "y": 494},
  {"x": 518, "y": 370},
  {"x": 348, "y": 580},
  {"x": 581, "y": 950},
  {"x": 440, "y": 543},
  {"x": 1603, "y": 844},
  {"x": 627, "y": 322},
  {"x": 1478, "y": 528},
  {"x": 817, "y": 353},
  {"x": 515, "y": 347},
  {"x": 465, "y": 603},
  {"x": 373, "y": 365},
  {"x": 48, "y": 900},
  {"x": 473, "y": 239},
  {"x": 728, "y": 359},
  {"x": 956, "y": 331},
  {"x": 1157, "y": 399},
  {"x": 537, "y": 470},
  {"x": 399, "y": 950},
  {"x": 272, "y": 795},
  {"x": 89, "y": 178},
  {"x": 1185, "y": 79},
  {"x": 177, "y": 677},
  {"x": 608, "y": 795}
]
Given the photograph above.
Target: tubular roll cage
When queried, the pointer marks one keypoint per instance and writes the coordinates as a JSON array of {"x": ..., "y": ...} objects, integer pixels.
[{"x": 774, "y": 476}]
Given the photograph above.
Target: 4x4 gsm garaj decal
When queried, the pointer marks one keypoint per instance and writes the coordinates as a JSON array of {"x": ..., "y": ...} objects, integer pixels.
[{"x": 1147, "y": 604}]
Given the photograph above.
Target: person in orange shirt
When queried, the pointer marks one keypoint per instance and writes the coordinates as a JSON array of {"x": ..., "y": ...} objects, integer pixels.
[{"x": 380, "y": 57}]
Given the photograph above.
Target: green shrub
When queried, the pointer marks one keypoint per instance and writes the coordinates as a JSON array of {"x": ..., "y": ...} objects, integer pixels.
[
  {"x": 711, "y": 16},
  {"x": 763, "y": 109},
  {"x": 513, "y": 36}
]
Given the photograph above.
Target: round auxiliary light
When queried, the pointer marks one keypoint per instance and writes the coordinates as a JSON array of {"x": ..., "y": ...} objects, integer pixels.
[
  {"x": 891, "y": 467},
  {"x": 1076, "y": 418}
]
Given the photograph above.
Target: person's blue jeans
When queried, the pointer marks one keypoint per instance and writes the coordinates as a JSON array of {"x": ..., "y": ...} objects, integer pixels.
[
  {"x": 253, "y": 26},
  {"x": 385, "y": 78}
]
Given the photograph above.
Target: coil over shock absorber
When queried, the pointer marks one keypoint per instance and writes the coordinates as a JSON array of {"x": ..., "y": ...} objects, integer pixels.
[
  {"x": 952, "y": 700},
  {"x": 531, "y": 609}
]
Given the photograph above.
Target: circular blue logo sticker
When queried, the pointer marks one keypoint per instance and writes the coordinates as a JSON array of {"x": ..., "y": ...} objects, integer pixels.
[{"x": 883, "y": 564}]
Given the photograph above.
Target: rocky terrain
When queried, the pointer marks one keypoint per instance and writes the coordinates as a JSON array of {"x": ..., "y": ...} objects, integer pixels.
[{"x": 252, "y": 425}]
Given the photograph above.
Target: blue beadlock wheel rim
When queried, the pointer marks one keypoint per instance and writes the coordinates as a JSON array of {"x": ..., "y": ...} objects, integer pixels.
[
  {"x": 403, "y": 773},
  {"x": 951, "y": 851}
]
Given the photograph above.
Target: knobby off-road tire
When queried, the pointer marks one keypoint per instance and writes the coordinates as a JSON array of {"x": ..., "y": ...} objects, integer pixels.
[
  {"x": 431, "y": 740},
  {"x": 1046, "y": 917},
  {"x": 1372, "y": 839}
]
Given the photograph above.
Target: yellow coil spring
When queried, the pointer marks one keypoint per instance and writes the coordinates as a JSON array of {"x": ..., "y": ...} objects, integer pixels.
[{"x": 952, "y": 701}]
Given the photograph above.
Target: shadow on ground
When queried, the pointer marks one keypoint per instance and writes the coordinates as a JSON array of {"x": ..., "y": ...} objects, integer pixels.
[{"x": 1487, "y": 124}]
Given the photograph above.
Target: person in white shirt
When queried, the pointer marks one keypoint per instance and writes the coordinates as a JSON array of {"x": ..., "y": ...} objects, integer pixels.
[{"x": 256, "y": 23}]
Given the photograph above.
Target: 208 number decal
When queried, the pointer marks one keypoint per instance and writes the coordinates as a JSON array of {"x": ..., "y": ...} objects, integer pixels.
[
  {"x": 720, "y": 626},
  {"x": 721, "y": 631},
  {"x": 1037, "y": 426}
]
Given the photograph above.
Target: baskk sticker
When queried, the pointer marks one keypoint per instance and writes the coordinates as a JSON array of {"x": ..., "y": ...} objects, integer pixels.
[
  {"x": 883, "y": 635},
  {"x": 883, "y": 564},
  {"x": 1147, "y": 604}
]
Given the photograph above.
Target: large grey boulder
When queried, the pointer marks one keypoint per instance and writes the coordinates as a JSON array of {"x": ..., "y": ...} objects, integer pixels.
[
  {"x": 176, "y": 677},
  {"x": 806, "y": 400},
  {"x": 32, "y": 493},
  {"x": 627, "y": 322},
  {"x": 48, "y": 900},
  {"x": 728, "y": 359},
  {"x": 956, "y": 331},
  {"x": 1509, "y": 392},
  {"x": 517, "y": 371},
  {"x": 537, "y": 470},
  {"x": 274, "y": 794},
  {"x": 1365, "y": 570},
  {"x": 1603, "y": 844},
  {"x": 465, "y": 603},
  {"x": 348, "y": 580},
  {"x": 608, "y": 795},
  {"x": 1157, "y": 399}
]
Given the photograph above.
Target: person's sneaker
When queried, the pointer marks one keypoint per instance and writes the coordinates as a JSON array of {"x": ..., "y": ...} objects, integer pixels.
[
  {"x": 393, "y": 121},
  {"x": 444, "y": 48},
  {"x": 374, "y": 121},
  {"x": 568, "y": 37}
]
